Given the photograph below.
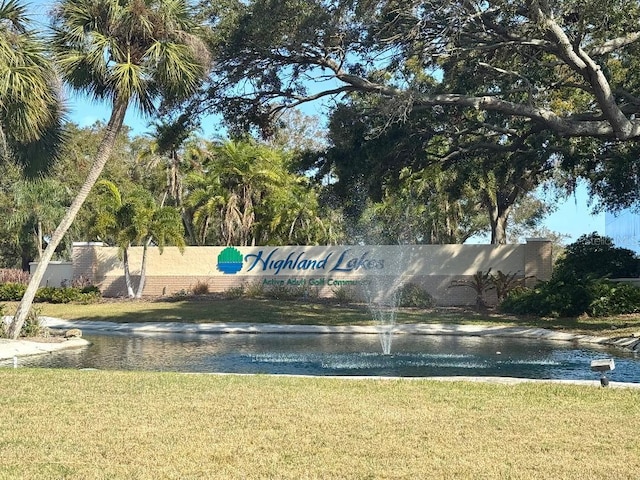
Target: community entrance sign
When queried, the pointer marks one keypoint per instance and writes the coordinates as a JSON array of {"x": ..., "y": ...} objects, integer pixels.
[{"x": 321, "y": 267}]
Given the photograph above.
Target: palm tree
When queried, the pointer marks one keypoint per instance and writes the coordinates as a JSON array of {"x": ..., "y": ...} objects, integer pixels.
[
  {"x": 247, "y": 191},
  {"x": 203, "y": 204},
  {"x": 248, "y": 171},
  {"x": 117, "y": 222},
  {"x": 164, "y": 149},
  {"x": 31, "y": 114},
  {"x": 127, "y": 52},
  {"x": 174, "y": 147},
  {"x": 38, "y": 204},
  {"x": 165, "y": 228},
  {"x": 136, "y": 221}
]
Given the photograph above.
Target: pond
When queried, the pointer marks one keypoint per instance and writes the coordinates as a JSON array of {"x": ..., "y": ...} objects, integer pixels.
[{"x": 342, "y": 355}]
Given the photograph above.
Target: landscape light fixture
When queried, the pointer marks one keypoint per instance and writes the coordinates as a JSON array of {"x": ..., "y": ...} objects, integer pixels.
[{"x": 603, "y": 365}]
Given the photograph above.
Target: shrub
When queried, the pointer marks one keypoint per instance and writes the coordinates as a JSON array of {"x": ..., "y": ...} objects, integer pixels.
[
  {"x": 524, "y": 301},
  {"x": 593, "y": 256},
  {"x": 610, "y": 298},
  {"x": 480, "y": 283},
  {"x": 412, "y": 295},
  {"x": 254, "y": 289},
  {"x": 14, "y": 275},
  {"x": 201, "y": 288},
  {"x": 67, "y": 295},
  {"x": 235, "y": 292},
  {"x": 579, "y": 283},
  {"x": 91, "y": 289},
  {"x": 505, "y": 283},
  {"x": 344, "y": 294},
  {"x": 557, "y": 298},
  {"x": 32, "y": 326},
  {"x": 549, "y": 299},
  {"x": 566, "y": 299},
  {"x": 284, "y": 292},
  {"x": 14, "y": 291},
  {"x": 11, "y": 292}
]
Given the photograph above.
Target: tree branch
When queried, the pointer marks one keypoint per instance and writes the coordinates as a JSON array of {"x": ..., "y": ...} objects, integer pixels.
[{"x": 615, "y": 43}]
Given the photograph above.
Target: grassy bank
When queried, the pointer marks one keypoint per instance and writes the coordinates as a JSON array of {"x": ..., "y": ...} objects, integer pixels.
[
  {"x": 90, "y": 425},
  {"x": 212, "y": 309}
]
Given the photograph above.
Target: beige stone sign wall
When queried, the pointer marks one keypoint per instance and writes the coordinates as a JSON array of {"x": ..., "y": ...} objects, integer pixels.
[{"x": 374, "y": 271}]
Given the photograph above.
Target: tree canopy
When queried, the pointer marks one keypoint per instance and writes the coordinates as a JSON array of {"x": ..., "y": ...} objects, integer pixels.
[
  {"x": 569, "y": 67},
  {"x": 31, "y": 109}
]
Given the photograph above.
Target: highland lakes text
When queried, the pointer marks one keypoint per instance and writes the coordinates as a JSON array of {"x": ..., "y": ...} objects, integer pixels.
[{"x": 295, "y": 261}]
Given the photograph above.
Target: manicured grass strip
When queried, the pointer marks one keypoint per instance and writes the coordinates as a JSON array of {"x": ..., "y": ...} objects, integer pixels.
[
  {"x": 202, "y": 309},
  {"x": 211, "y": 309},
  {"x": 122, "y": 425}
]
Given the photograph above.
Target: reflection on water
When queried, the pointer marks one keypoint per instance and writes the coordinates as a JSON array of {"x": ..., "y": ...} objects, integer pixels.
[{"x": 337, "y": 354}]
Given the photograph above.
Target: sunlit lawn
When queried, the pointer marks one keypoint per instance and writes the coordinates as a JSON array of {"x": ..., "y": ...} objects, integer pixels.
[
  {"x": 143, "y": 425},
  {"x": 140, "y": 425},
  {"x": 212, "y": 309}
]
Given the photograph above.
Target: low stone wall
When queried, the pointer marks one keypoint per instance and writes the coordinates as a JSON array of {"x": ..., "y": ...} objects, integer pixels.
[
  {"x": 370, "y": 272},
  {"x": 58, "y": 274}
]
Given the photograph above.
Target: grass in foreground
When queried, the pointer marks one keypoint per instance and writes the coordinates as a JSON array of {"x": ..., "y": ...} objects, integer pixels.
[
  {"x": 98, "y": 424},
  {"x": 212, "y": 309}
]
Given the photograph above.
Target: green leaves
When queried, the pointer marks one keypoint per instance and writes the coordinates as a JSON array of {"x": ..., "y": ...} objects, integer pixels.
[
  {"x": 143, "y": 52},
  {"x": 246, "y": 194},
  {"x": 30, "y": 110},
  {"x": 134, "y": 218}
]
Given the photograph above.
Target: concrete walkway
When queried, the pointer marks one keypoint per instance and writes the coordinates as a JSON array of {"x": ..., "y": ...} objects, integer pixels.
[
  {"x": 19, "y": 348},
  {"x": 23, "y": 348}
]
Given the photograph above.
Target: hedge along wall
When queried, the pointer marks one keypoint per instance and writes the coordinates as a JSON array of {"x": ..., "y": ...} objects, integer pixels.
[{"x": 370, "y": 271}]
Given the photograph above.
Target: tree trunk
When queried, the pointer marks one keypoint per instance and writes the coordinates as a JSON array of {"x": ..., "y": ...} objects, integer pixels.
[
  {"x": 498, "y": 219},
  {"x": 143, "y": 269},
  {"x": 39, "y": 240},
  {"x": 188, "y": 226},
  {"x": 127, "y": 273},
  {"x": 104, "y": 152}
]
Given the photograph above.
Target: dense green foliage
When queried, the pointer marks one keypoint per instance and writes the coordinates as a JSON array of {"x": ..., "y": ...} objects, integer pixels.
[
  {"x": 555, "y": 298},
  {"x": 412, "y": 295},
  {"x": 32, "y": 326},
  {"x": 579, "y": 283},
  {"x": 499, "y": 90},
  {"x": 595, "y": 256},
  {"x": 14, "y": 292}
]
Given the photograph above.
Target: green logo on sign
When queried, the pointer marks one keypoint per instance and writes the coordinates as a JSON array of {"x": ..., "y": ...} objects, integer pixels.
[{"x": 230, "y": 260}]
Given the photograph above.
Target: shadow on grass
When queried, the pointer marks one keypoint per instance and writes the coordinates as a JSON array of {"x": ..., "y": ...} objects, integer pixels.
[
  {"x": 207, "y": 309},
  {"x": 201, "y": 310}
]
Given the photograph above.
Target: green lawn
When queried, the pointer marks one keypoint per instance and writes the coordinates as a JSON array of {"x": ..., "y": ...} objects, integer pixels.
[
  {"x": 143, "y": 425},
  {"x": 213, "y": 309},
  {"x": 124, "y": 425}
]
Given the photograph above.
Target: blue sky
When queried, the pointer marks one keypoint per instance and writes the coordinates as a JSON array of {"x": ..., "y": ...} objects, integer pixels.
[{"x": 574, "y": 218}]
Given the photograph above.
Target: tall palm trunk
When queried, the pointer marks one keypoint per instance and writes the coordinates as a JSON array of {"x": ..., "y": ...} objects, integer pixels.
[
  {"x": 104, "y": 152},
  {"x": 143, "y": 269},
  {"x": 39, "y": 240},
  {"x": 127, "y": 272}
]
